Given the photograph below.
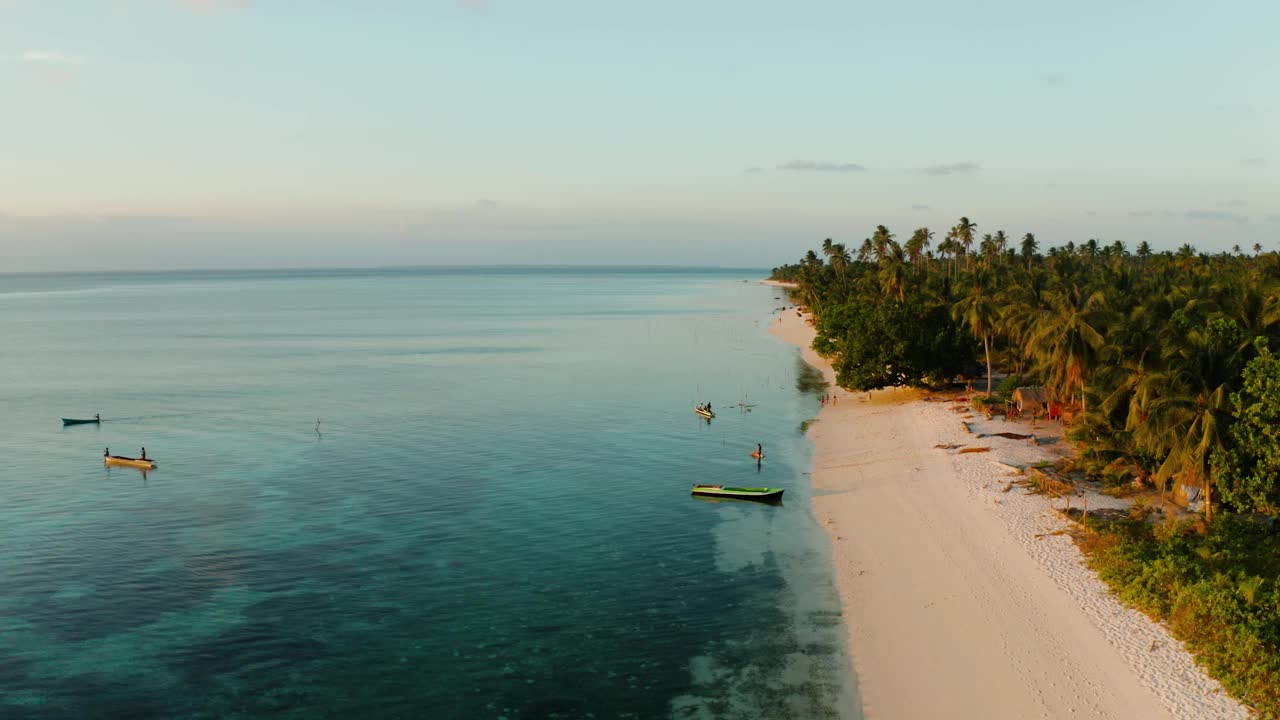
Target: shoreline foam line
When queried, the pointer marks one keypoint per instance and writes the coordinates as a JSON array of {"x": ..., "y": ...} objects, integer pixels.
[{"x": 959, "y": 601}]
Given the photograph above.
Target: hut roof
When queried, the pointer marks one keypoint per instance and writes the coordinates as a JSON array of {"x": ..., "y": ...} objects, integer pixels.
[{"x": 1031, "y": 393}]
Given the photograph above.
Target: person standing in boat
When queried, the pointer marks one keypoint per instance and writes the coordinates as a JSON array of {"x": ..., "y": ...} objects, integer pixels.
[
  {"x": 97, "y": 416},
  {"x": 759, "y": 451},
  {"x": 708, "y": 407},
  {"x": 144, "y": 454},
  {"x": 106, "y": 452}
]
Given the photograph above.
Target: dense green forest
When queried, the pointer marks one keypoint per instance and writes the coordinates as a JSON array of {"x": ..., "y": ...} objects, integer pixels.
[
  {"x": 1165, "y": 365},
  {"x": 1164, "y": 359}
]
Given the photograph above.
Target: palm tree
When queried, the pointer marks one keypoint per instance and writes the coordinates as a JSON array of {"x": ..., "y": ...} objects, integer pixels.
[
  {"x": 893, "y": 273},
  {"x": 964, "y": 233},
  {"x": 865, "y": 250},
  {"x": 1185, "y": 255},
  {"x": 988, "y": 250},
  {"x": 1144, "y": 250},
  {"x": 1191, "y": 416},
  {"x": 1257, "y": 249},
  {"x": 1029, "y": 247},
  {"x": 917, "y": 245},
  {"x": 978, "y": 310},
  {"x": 880, "y": 240},
  {"x": 839, "y": 259},
  {"x": 950, "y": 246},
  {"x": 1021, "y": 305},
  {"x": 1067, "y": 336}
]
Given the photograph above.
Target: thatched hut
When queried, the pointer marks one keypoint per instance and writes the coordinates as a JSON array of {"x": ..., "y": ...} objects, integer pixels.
[{"x": 1031, "y": 398}]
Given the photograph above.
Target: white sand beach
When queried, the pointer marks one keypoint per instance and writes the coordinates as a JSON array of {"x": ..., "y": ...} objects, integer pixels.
[{"x": 959, "y": 602}]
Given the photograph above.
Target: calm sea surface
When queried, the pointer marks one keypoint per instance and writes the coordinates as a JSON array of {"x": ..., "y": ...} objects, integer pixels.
[{"x": 407, "y": 494}]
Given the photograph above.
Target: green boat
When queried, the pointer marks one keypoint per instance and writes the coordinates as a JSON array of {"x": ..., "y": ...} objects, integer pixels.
[
  {"x": 763, "y": 494},
  {"x": 77, "y": 421}
]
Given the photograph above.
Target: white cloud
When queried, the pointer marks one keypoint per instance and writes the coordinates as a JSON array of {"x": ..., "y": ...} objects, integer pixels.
[
  {"x": 958, "y": 168},
  {"x": 822, "y": 166},
  {"x": 49, "y": 57}
]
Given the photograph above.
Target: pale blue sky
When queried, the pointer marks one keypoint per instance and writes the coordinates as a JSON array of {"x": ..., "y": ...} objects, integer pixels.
[{"x": 216, "y": 133}]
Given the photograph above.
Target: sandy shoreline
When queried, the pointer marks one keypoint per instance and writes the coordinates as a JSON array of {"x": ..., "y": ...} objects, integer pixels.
[{"x": 958, "y": 604}]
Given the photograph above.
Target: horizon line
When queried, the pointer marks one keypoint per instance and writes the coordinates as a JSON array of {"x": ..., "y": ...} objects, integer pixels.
[{"x": 370, "y": 268}]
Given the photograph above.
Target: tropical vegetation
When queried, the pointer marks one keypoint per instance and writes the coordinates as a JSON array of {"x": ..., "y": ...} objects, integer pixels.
[
  {"x": 1163, "y": 360},
  {"x": 1163, "y": 363}
]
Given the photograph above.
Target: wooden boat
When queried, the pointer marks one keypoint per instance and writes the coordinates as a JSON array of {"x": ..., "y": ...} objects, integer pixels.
[
  {"x": 145, "y": 464},
  {"x": 704, "y": 412},
  {"x": 78, "y": 421},
  {"x": 757, "y": 456},
  {"x": 741, "y": 493}
]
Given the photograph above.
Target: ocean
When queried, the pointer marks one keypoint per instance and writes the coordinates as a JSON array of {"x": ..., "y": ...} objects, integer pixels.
[{"x": 418, "y": 493}]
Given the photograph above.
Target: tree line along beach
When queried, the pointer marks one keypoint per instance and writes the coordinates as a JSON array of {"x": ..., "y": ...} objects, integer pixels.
[{"x": 1118, "y": 559}]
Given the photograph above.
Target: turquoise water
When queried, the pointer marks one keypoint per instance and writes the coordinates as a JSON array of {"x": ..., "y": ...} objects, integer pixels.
[{"x": 407, "y": 494}]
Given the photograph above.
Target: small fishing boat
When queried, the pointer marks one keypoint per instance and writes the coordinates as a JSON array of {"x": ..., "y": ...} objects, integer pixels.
[
  {"x": 704, "y": 412},
  {"x": 742, "y": 493},
  {"x": 143, "y": 463},
  {"x": 78, "y": 421},
  {"x": 757, "y": 456}
]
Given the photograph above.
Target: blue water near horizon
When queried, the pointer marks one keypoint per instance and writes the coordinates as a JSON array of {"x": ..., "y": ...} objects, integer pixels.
[{"x": 427, "y": 492}]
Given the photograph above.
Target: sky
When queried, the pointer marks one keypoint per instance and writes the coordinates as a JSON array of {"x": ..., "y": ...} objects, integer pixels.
[{"x": 139, "y": 134}]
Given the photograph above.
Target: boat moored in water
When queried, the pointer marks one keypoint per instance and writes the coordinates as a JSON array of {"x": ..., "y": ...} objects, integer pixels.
[
  {"x": 704, "y": 412},
  {"x": 82, "y": 421},
  {"x": 764, "y": 494},
  {"x": 143, "y": 463}
]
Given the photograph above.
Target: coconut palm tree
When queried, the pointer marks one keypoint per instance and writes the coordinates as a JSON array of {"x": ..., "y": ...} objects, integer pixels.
[
  {"x": 1021, "y": 305},
  {"x": 950, "y": 246},
  {"x": 987, "y": 248},
  {"x": 880, "y": 240},
  {"x": 980, "y": 313},
  {"x": 917, "y": 245},
  {"x": 893, "y": 273},
  {"x": 1001, "y": 243},
  {"x": 1067, "y": 336},
  {"x": 839, "y": 259},
  {"x": 1029, "y": 247},
  {"x": 964, "y": 233},
  {"x": 1185, "y": 255}
]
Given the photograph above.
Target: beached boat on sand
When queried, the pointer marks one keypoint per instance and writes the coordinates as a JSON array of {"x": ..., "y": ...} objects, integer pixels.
[
  {"x": 143, "y": 463},
  {"x": 764, "y": 494}
]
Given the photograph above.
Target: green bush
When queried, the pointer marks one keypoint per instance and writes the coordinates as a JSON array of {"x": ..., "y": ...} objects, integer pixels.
[
  {"x": 1004, "y": 391},
  {"x": 1217, "y": 592}
]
